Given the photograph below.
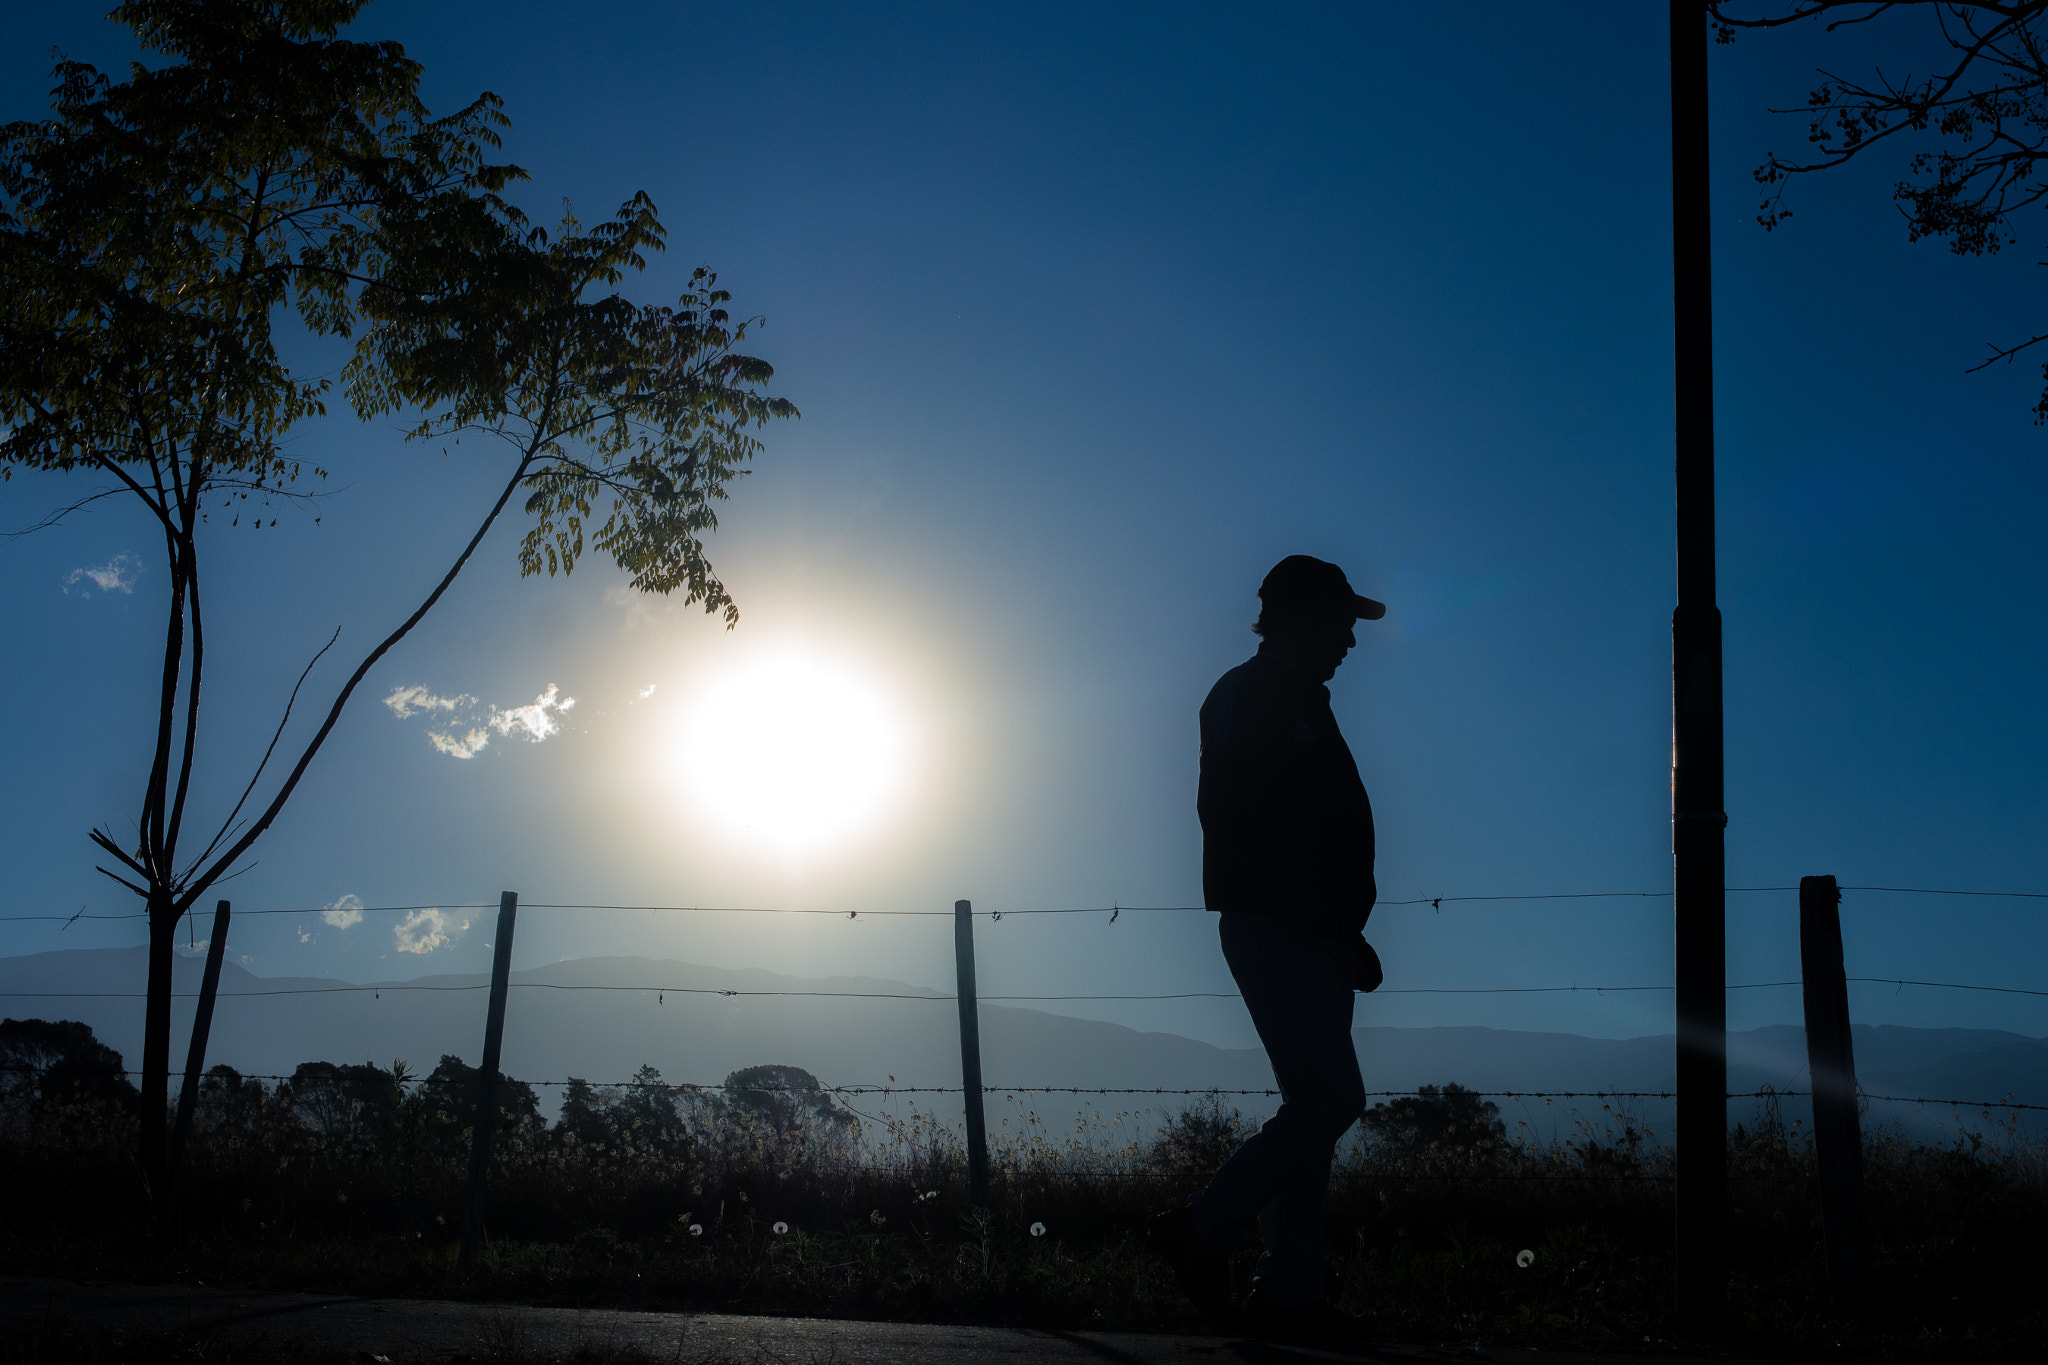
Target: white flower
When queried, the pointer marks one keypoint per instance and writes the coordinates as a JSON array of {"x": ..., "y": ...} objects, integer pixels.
[
  {"x": 1525, "y": 1259},
  {"x": 696, "y": 1229},
  {"x": 1038, "y": 1229},
  {"x": 779, "y": 1228}
]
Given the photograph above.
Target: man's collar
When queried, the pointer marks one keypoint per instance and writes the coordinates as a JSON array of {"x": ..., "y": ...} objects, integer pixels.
[{"x": 1292, "y": 671}]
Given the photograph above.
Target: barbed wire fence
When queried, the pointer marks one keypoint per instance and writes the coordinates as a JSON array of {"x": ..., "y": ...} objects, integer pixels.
[
  {"x": 972, "y": 1090},
  {"x": 1113, "y": 912}
]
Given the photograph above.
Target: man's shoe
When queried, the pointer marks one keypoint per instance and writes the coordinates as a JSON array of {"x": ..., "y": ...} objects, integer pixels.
[
  {"x": 1201, "y": 1274},
  {"x": 1321, "y": 1323}
]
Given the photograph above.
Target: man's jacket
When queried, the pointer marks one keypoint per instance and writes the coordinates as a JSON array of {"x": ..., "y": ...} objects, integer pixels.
[{"x": 1286, "y": 825}]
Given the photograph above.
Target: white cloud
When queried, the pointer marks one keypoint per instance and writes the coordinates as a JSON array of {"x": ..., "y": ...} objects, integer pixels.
[
  {"x": 533, "y": 722},
  {"x": 344, "y": 912},
  {"x": 116, "y": 575},
  {"x": 422, "y": 931},
  {"x": 466, "y": 723},
  {"x": 404, "y": 701},
  {"x": 647, "y": 691},
  {"x": 468, "y": 746}
]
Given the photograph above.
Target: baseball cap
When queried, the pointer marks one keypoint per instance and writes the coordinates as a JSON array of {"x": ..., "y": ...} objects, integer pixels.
[{"x": 1301, "y": 581}]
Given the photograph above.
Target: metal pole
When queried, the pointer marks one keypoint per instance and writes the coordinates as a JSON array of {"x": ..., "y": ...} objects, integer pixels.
[
  {"x": 487, "y": 1078},
  {"x": 970, "y": 1057},
  {"x": 195, "y": 1064},
  {"x": 1831, "y": 1060},
  {"x": 1698, "y": 813}
]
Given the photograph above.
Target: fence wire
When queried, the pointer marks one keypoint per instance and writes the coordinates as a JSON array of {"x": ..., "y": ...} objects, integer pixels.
[
  {"x": 1113, "y": 910},
  {"x": 661, "y": 991}
]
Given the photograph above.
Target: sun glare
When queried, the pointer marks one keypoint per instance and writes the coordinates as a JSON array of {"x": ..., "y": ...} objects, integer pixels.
[{"x": 794, "y": 753}]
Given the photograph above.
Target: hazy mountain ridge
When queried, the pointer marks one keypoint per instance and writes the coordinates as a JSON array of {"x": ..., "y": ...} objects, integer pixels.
[{"x": 646, "y": 1015}]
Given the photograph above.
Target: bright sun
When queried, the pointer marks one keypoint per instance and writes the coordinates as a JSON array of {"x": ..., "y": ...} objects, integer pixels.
[{"x": 794, "y": 753}]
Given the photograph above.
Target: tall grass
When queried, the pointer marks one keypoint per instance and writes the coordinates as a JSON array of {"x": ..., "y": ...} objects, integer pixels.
[{"x": 651, "y": 1196}]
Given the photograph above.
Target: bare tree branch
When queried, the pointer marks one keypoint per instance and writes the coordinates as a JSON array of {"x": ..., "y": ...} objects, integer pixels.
[{"x": 228, "y": 823}]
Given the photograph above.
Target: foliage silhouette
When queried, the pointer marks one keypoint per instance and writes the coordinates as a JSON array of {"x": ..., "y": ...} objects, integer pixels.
[
  {"x": 160, "y": 234},
  {"x": 882, "y": 1226},
  {"x": 1971, "y": 130},
  {"x": 1434, "y": 1119},
  {"x": 60, "y": 1063},
  {"x": 786, "y": 1099},
  {"x": 450, "y": 1092}
]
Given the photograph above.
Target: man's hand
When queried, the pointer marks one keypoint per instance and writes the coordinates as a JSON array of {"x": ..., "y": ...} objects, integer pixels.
[{"x": 1366, "y": 972}]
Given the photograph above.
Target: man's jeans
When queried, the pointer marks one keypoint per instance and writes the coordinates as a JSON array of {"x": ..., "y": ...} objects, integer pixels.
[{"x": 1299, "y": 992}]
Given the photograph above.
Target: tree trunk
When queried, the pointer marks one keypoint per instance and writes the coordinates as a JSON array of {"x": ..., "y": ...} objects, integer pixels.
[{"x": 156, "y": 1041}]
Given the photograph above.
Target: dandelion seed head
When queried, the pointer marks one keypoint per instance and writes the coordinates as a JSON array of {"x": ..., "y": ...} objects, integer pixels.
[
  {"x": 1038, "y": 1229},
  {"x": 1525, "y": 1258},
  {"x": 696, "y": 1229},
  {"x": 780, "y": 1227}
]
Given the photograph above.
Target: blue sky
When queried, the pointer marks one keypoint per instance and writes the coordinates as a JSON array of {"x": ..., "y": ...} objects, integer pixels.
[{"x": 1092, "y": 317}]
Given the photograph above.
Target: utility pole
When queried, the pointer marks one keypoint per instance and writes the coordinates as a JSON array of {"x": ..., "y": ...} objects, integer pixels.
[{"x": 1699, "y": 817}]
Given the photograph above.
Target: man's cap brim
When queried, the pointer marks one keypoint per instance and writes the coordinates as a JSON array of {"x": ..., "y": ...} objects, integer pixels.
[{"x": 1365, "y": 609}]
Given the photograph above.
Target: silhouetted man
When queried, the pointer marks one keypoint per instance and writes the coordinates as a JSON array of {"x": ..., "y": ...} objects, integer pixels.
[{"x": 1287, "y": 861}]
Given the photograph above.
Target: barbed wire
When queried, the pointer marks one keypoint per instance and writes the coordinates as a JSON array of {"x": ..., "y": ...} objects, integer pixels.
[
  {"x": 1011, "y": 1091},
  {"x": 1113, "y": 910},
  {"x": 658, "y": 990}
]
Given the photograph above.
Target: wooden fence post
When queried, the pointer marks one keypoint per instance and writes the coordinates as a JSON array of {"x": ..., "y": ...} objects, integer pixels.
[
  {"x": 1831, "y": 1060},
  {"x": 195, "y": 1065},
  {"x": 970, "y": 1066},
  {"x": 487, "y": 1078}
]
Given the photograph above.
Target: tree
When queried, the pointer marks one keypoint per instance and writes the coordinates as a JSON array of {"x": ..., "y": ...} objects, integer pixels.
[
  {"x": 1433, "y": 1120},
  {"x": 44, "y": 1062},
  {"x": 585, "y": 1115},
  {"x": 786, "y": 1100},
  {"x": 159, "y": 234},
  {"x": 451, "y": 1089},
  {"x": 349, "y": 1101},
  {"x": 229, "y": 1102},
  {"x": 1971, "y": 131}
]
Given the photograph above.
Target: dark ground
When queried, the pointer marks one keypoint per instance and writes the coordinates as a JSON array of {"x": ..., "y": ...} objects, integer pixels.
[{"x": 68, "y": 1322}]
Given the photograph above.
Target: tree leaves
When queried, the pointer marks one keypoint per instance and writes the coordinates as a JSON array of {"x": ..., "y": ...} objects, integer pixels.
[
  {"x": 640, "y": 415},
  {"x": 1972, "y": 135}
]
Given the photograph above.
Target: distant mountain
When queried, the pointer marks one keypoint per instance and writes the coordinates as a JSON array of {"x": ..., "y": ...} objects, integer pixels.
[{"x": 669, "y": 1014}]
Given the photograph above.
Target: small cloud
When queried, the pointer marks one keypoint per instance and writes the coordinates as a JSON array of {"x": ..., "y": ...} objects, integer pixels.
[
  {"x": 405, "y": 701},
  {"x": 647, "y": 691},
  {"x": 466, "y": 747},
  {"x": 343, "y": 913},
  {"x": 422, "y": 931},
  {"x": 116, "y": 575},
  {"x": 466, "y": 723},
  {"x": 533, "y": 722},
  {"x": 305, "y": 935}
]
